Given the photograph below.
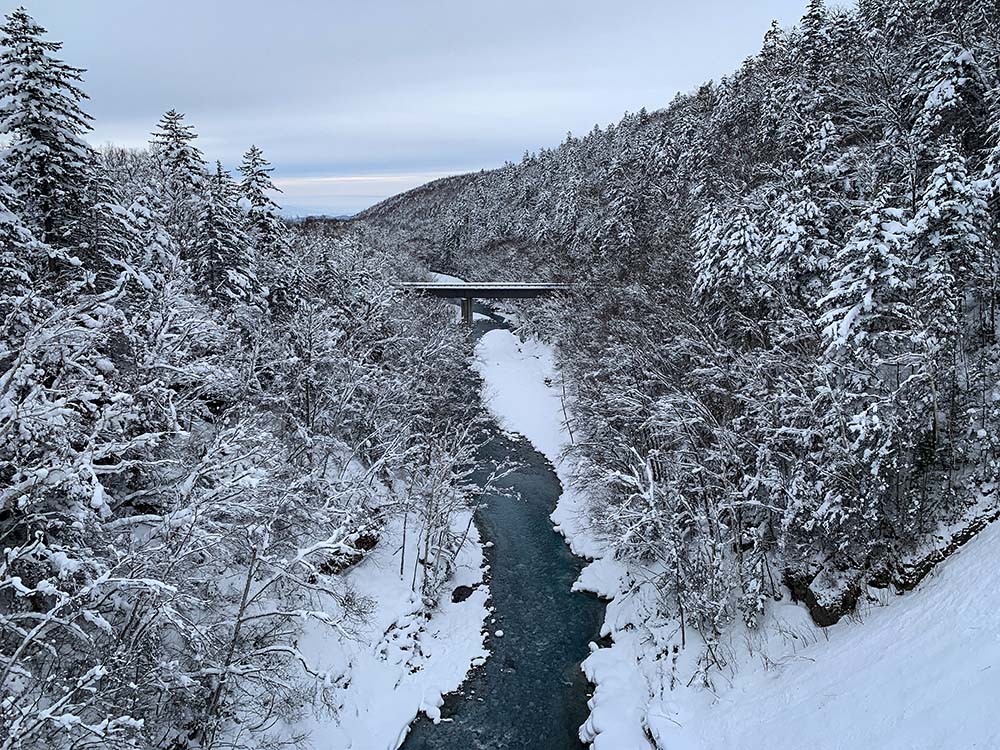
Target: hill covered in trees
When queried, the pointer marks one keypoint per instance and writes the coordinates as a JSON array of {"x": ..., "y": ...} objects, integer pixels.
[
  {"x": 781, "y": 362},
  {"x": 782, "y": 350}
]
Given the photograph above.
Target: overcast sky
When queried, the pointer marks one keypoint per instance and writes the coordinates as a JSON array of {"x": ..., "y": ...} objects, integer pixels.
[{"x": 353, "y": 101}]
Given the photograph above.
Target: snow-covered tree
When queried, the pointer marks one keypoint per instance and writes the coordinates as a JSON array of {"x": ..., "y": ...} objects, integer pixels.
[
  {"x": 731, "y": 268},
  {"x": 952, "y": 94},
  {"x": 800, "y": 250},
  {"x": 223, "y": 257},
  {"x": 182, "y": 177},
  {"x": 263, "y": 218},
  {"x": 870, "y": 303},
  {"x": 47, "y": 162},
  {"x": 949, "y": 244},
  {"x": 815, "y": 48},
  {"x": 21, "y": 258},
  {"x": 181, "y": 161}
]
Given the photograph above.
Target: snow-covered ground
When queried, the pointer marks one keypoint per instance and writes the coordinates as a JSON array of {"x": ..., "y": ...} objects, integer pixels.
[
  {"x": 920, "y": 673},
  {"x": 405, "y": 659}
]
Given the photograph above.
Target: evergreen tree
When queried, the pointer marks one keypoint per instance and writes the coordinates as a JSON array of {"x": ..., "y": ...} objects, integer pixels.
[
  {"x": 869, "y": 305},
  {"x": 815, "y": 49},
  {"x": 47, "y": 163},
  {"x": 182, "y": 162},
  {"x": 223, "y": 258},
  {"x": 618, "y": 235},
  {"x": 731, "y": 269},
  {"x": 182, "y": 177},
  {"x": 106, "y": 235},
  {"x": 949, "y": 247},
  {"x": 263, "y": 220},
  {"x": 800, "y": 250},
  {"x": 952, "y": 95},
  {"x": 155, "y": 246}
]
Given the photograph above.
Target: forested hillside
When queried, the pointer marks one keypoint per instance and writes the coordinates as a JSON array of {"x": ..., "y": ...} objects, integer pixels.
[
  {"x": 236, "y": 463},
  {"x": 781, "y": 351},
  {"x": 206, "y": 418}
]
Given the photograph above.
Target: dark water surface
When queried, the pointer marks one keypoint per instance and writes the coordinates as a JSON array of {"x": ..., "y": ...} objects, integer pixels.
[{"x": 530, "y": 694}]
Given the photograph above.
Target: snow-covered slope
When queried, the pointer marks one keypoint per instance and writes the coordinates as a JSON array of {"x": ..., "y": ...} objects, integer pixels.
[
  {"x": 921, "y": 672},
  {"x": 401, "y": 663}
]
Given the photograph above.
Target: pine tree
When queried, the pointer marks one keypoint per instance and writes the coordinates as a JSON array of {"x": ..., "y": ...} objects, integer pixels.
[
  {"x": 106, "y": 235},
  {"x": 949, "y": 246},
  {"x": 181, "y": 160},
  {"x": 156, "y": 247},
  {"x": 951, "y": 96},
  {"x": 617, "y": 236},
  {"x": 223, "y": 259},
  {"x": 731, "y": 260},
  {"x": 869, "y": 305},
  {"x": 800, "y": 250},
  {"x": 47, "y": 164},
  {"x": 182, "y": 177},
  {"x": 815, "y": 38},
  {"x": 263, "y": 220}
]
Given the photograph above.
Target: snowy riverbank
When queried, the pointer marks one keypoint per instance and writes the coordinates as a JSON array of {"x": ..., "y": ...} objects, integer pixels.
[
  {"x": 405, "y": 658},
  {"x": 878, "y": 680},
  {"x": 522, "y": 392}
]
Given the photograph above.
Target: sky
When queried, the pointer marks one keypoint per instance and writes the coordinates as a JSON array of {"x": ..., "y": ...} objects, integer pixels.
[{"x": 355, "y": 101}]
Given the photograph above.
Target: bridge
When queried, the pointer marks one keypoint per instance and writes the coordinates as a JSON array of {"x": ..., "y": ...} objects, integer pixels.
[{"x": 467, "y": 291}]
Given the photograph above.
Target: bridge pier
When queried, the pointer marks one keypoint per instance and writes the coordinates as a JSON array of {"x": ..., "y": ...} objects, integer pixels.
[{"x": 467, "y": 310}]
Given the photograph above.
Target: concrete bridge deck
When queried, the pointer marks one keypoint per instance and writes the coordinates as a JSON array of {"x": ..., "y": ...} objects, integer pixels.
[{"x": 470, "y": 290}]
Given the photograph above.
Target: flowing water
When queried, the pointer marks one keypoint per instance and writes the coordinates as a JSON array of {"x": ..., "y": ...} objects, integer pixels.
[{"x": 530, "y": 694}]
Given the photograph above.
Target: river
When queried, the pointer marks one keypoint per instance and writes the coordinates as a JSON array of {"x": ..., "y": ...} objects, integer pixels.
[{"x": 531, "y": 693}]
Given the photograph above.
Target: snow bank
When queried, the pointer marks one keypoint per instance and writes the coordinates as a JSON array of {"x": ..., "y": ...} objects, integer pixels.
[
  {"x": 921, "y": 673},
  {"x": 405, "y": 659}
]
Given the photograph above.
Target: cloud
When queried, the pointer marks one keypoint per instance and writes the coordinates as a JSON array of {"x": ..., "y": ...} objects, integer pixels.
[
  {"x": 345, "y": 194},
  {"x": 394, "y": 87}
]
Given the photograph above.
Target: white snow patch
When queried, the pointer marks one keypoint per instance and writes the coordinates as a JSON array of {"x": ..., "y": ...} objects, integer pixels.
[
  {"x": 918, "y": 674},
  {"x": 443, "y": 278},
  {"x": 403, "y": 662}
]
